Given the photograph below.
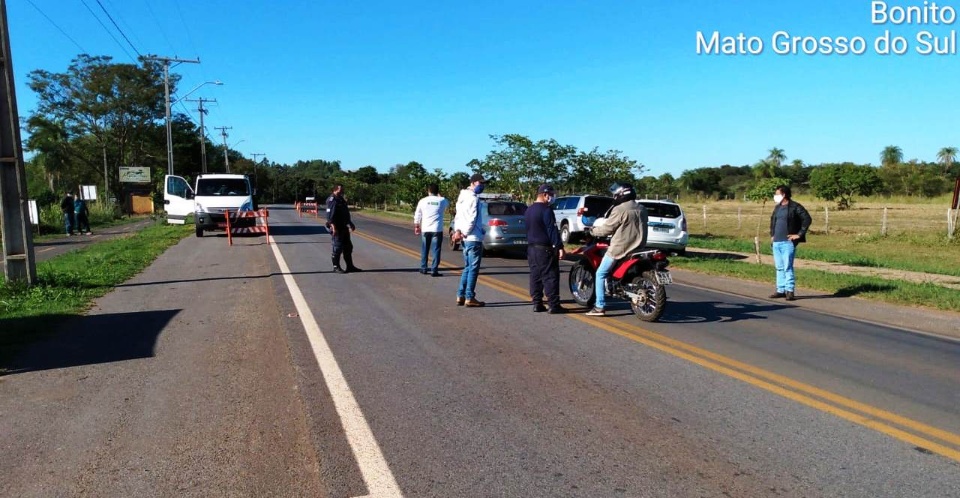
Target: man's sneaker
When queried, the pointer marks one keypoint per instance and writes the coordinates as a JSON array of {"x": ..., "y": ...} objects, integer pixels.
[
  {"x": 539, "y": 308},
  {"x": 790, "y": 296},
  {"x": 596, "y": 312},
  {"x": 337, "y": 269},
  {"x": 353, "y": 269},
  {"x": 436, "y": 274},
  {"x": 473, "y": 303},
  {"x": 460, "y": 301},
  {"x": 559, "y": 310},
  {"x": 777, "y": 295},
  {"x": 422, "y": 271}
]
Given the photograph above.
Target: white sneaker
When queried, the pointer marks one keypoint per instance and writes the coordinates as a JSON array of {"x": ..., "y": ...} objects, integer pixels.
[{"x": 596, "y": 312}]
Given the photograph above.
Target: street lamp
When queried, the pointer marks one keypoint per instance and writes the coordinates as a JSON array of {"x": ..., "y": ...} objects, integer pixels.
[{"x": 169, "y": 132}]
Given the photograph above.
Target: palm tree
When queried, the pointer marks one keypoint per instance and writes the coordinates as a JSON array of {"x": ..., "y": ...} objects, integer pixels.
[
  {"x": 776, "y": 157},
  {"x": 891, "y": 155},
  {"x": 946, "y": 157}
]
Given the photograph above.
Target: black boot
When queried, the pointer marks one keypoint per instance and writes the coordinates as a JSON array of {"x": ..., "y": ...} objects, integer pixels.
[
  {"x": 350, "y": 268},
  {"x": 336, "y": 265}
]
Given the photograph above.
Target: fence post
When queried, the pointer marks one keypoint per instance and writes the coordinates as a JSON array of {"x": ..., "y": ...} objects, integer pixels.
[
  {"x": 739, "y": 219},
  {"x": 951, "y": 225},
  {"x": 704, "y": 216},
  {"x": 756, "y": 247},
  {"x": 883, "y": 226},
  {"x": 826, "y": 220}
]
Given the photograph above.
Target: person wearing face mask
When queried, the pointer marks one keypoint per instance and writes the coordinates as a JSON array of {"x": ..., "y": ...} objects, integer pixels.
[
  {"x": 469, "y": 232},
  {"x": 789, "y": 224},
  {"x": 544, "y": 252}
]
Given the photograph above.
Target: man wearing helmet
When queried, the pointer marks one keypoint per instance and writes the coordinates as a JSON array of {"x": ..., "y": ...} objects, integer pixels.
[{"x": 626, "y": 223}]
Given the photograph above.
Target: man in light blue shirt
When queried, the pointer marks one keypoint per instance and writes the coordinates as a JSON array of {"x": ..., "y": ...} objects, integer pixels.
[{"x": 428, "y": 224}]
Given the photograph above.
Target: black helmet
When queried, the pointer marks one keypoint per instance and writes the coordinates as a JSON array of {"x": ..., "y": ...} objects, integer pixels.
[{"x": 622, "y": 192}]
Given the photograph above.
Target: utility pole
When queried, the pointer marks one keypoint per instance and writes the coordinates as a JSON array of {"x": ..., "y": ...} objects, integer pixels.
[
  {"x": 166, "y": 87},
  {"x": 203, "y": 133},
  {"x": 255, "y": 154},
  {"x": 223, "y": 132},
  {"x": 17, "y": 237}
]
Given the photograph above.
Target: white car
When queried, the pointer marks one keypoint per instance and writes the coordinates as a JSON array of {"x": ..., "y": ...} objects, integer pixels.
[{"x": 667, "y": 226}]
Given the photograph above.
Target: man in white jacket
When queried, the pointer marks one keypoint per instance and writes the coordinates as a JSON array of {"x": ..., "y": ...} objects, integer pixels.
[
  {"x": 469, "y": 232},
  {"x": 428, "y": 224}
]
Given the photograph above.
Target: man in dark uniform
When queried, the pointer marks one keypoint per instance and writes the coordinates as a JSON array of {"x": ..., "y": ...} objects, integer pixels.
[
  {"x": 340, "y": 226},
  {"x": 544, "y": 252}
]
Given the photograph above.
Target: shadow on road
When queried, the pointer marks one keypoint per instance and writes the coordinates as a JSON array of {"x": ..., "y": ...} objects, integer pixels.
[
  {"x": 716, "y": 311},
  {"x": 80, "y": 340},
  {"x": 853, "y": 290},
  {"x": 297, "y": 229}
]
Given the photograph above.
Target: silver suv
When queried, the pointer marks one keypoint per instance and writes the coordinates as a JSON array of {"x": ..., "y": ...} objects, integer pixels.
[
  {"x": 573, "y": 212},
  {"x": 667, "y": 226}
]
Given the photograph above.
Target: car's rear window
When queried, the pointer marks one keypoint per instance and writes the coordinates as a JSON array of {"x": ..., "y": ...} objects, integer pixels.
[
  {"x": 597, "y": 206},
  {"x": 506, "y": 208},
  {"x": 222, "y": 186},
  {"x": 661, "y": 210}
]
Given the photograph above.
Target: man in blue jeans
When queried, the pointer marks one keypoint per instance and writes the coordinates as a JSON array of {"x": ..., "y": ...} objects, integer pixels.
[
  {"x": 469, "y": 232},
  {"x": 626, "y": 225},
  {"x": 428, "y": 224},
  {"x": 788, "y": 228}
]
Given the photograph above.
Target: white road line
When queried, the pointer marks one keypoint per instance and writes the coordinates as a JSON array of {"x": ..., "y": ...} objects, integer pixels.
[{"x": 376, "y": 473}]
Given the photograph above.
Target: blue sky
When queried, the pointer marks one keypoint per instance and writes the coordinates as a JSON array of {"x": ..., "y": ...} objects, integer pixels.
[{"x": 380, "y": 82}]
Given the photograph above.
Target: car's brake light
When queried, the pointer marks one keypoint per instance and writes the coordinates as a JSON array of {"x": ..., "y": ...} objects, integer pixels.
[
  {"x": 683, "y": 224},
  {"x": 659, "y": 256},
  {"x": 497, "y": 223}
]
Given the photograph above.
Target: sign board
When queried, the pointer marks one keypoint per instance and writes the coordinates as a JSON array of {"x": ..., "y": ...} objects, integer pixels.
[
  {"x": 88, "y": 192},
  {"x": 34, "y": 214},
  {"x": 134, "y": 174}
]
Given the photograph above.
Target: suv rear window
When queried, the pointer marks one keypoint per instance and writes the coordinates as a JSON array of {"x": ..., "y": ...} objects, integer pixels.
[
  {"x": 222, "y": 186},
  {"x": 597, "y": 206},
  {"x": 506, "y": 208},
  {"x": 661, "y": 210}
]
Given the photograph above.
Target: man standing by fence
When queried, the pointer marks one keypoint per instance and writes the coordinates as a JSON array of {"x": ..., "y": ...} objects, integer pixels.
[{"x": 788, "y": 228}]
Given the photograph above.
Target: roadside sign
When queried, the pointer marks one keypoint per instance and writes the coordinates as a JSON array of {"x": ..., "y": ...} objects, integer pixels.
[
  {"x": 34, "y": 214},
  {"x": 88, "y": 192},
  {"x": 134, "y": 174}
]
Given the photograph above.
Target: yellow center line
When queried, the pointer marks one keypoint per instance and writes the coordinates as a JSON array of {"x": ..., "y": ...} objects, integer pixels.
[{"x": 870, "y": 416}]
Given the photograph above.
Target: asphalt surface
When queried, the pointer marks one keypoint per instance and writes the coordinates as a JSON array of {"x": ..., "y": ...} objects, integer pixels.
[{"x": 199, "y": 378}]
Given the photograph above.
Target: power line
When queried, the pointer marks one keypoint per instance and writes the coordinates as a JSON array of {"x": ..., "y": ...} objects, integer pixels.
[
  {"x": 105, "y": 28},
  {"x": 124, "y": 35},
  {"x": 156, "y": 20},
  {"x": 55, "y": 25}
]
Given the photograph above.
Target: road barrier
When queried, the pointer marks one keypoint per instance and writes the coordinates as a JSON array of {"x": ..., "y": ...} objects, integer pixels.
[
  {"x": 260, "y": 224},
  {"x": 307, "y": 207}
]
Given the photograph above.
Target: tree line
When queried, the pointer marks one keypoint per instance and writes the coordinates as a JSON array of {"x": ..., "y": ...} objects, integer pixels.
[{"x": 99, "y": 115}]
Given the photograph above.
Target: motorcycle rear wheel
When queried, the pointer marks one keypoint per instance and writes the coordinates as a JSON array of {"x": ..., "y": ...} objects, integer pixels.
[
  {"x": 656, "y": 298},
  {"x": 582, "y": 285}
]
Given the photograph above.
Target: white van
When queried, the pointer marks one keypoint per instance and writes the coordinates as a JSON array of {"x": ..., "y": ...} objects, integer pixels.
[{"x": 208, "y": 199}]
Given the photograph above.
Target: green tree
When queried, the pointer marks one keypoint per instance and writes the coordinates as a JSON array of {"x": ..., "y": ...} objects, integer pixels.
[
  {"x": 891, "y": 155},
  {"x": 842, "y": 182},
  {"x": 776, "y": 157},
  {"x": 946, "y": 157}
]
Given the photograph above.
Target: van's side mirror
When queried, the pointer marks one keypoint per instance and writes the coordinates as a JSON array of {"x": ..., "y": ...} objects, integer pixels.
[{"x": 190, "y": 194}]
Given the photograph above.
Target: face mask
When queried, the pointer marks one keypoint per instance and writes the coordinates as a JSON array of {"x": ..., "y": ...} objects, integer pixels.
[
  {"x": 778, "y": 198},
  {"x": 478, "y": 189}
]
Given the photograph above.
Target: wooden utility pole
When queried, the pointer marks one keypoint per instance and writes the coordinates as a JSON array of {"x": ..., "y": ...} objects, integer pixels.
[
  {"x": 166, "y": 87},
  {"x": 18, "y": 257},
  {"x": 203, "y": 132},
  {"x": 223, "y": 132}
]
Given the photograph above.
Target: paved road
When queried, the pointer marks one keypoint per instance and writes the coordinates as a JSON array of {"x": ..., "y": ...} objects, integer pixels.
[{"x": 245, "y": 375}]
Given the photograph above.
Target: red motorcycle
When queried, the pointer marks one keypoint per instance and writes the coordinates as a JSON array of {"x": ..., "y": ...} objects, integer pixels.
[{"x": 640, "y": 278}]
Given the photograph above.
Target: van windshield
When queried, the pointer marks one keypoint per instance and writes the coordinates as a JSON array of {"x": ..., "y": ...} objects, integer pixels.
[{"x": 222, "y": 186}]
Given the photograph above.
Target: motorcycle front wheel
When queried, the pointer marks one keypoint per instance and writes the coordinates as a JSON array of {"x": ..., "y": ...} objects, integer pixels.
[
  {"x": 654, "y": 300},
  {"x": 582, "y": 284}
]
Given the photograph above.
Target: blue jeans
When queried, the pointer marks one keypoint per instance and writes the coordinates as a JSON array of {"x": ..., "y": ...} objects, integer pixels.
[
  {"x": 783, "y": 259},
  {"x": 69, "y": 222},
  {"x": 472, "y": 254},
  {"x": 430, "y": 242},
  {"x": 603, "y": 271}
]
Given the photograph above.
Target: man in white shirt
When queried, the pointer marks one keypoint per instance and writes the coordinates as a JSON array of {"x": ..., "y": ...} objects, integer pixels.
[
  {"x": 468, "y": 231},
  {"x": 428, "y": 224}
]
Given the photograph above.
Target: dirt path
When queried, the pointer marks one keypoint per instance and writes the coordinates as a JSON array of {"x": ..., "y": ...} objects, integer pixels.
[{"x": 887, "y": 273}]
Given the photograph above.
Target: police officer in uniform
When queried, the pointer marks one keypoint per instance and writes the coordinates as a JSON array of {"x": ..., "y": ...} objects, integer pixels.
[
  {"x": 340, "y": 226},
  {"x": 544, "y": 252}
]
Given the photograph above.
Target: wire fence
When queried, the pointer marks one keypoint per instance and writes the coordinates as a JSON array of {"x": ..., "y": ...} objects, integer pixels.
[{"x": 743, "y": 219}]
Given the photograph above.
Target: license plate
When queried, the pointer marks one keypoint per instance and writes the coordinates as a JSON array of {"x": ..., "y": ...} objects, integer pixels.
[
  {"x": 664, "y": 277},
  {"x": 660, "y": 229},
  {"x": 519, "y": 241}
]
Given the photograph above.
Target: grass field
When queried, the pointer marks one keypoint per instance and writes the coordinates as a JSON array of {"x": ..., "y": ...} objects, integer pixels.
[{"x": 915, "y": 240}]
